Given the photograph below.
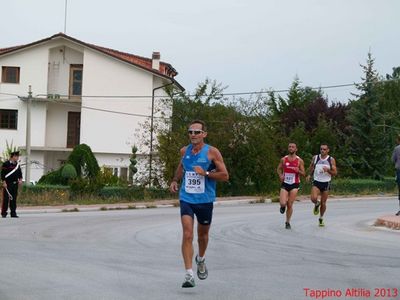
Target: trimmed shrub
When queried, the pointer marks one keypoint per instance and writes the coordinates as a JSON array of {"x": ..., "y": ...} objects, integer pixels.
[
  {"x": 53, "y": 178},
  {"x": 68, "y": 172},
  {"x": 84, "y": 161}
]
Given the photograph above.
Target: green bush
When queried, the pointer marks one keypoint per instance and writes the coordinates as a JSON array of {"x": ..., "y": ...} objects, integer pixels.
[
  {"x": 108, "y": 179},
  {"x": 345, "y": 186},
  {"x": 68, "y": 172},
  {"x": 117, "y": 192},
  {"x": 53, "y": 178},
  {"x": 80, "y": 186},
  {"x": 84, "y": 161},
  {"x": 82, "y": 192}
]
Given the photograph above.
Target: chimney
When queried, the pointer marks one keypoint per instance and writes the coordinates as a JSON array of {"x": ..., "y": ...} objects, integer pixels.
[{"x": 155, "y": 61}]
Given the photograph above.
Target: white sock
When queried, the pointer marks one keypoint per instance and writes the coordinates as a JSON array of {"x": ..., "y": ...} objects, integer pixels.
[
  {"x": 199, "y": 258},
  {"x": 189, "y": 271}
]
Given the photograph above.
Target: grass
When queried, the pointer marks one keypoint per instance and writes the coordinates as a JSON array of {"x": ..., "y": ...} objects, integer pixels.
[
  {"x": 258, "y": 201},
  {"x": 104, "y": 208},
  {"x": 75, "y": 209}
]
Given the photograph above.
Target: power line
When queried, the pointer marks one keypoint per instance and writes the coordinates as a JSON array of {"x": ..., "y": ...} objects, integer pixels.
[
  {"x": 235, "y": 93},
  {"x": 223, "y": 94}
]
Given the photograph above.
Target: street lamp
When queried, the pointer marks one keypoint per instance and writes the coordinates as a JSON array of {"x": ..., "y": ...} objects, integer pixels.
[{"x": 152, "y": 129}]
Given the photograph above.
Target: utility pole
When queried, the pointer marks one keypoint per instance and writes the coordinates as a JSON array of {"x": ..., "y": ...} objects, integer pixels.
[
  {"x": 28, "y": 138},
  {"x": 152, "y": 130}
]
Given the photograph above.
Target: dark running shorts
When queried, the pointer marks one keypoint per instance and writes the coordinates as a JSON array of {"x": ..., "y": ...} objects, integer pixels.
[
  {"x": 289, "y": 187},
  {"x": 322, "y": 186},
  {"x": 203, "y": 211}
]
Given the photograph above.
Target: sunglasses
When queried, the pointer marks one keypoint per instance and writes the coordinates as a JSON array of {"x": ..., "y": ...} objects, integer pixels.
[
  {"x": 323, "y": 149},
  {"x": 195, "y": 132}
]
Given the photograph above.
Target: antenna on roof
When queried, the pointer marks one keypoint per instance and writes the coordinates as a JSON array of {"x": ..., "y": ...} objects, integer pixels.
[{"x": 65, "y": 17}]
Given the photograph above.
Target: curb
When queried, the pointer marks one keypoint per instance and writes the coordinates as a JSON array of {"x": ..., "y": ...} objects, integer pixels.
[
  {"x": 107, "y": 207},
  {"x": 391, "y": 222}
]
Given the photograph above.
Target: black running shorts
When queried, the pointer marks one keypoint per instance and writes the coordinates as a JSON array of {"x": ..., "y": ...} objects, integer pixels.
[
  {"x": 203, "y": 211},
  {"x": 322, "y": 186}
]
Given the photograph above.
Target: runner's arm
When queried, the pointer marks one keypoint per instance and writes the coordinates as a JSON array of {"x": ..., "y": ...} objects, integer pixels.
[
  {"x": 178, "y": 174},
  {"x": 279, "y": 170},
  {"x": 333, "y": 170},
  {"x": 311, "y": 168},
  {"x": 302, "y": 171},
  {"x": 220, "y": 173}
]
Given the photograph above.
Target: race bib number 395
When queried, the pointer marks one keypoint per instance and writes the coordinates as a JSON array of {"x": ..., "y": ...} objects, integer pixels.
[{"x": 194, "y": 183}]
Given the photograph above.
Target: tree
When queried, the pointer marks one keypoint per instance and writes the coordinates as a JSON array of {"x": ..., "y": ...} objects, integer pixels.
[
  {"x": 132, "y": 167},
  {"x": 367, "y": 144},
  {"x": 306, "y": 117}
]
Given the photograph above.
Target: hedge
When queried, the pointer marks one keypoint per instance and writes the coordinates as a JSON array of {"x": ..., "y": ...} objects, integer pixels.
[{"x": 61, "y": 195}]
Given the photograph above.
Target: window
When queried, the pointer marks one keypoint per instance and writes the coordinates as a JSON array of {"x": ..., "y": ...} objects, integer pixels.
[
  {"x": 75, "y": 81},
  {"x": 8, "y": 119},
  {"x": 10, "y": 75},
  {"x": 123, "y": 173}
]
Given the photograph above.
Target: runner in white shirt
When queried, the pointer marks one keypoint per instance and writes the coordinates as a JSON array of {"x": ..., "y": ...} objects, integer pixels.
[{"x": 322, "y": 168}]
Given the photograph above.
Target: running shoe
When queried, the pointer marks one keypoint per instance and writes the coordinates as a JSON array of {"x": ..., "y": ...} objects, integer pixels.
[
  {"x": 202, "y": 271},
  {"x": 321, "y": 222},
  {"x": 398, "y": 213},
  {"x": 189, "y": 281},
  {"x": 287, "y": 225},
  {"x": 316, "y": 208},
  {"x": 282, "y": 209}
]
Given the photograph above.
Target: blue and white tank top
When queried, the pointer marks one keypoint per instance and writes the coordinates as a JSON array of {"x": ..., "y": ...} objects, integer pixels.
[{"x": 196, "y": 188}]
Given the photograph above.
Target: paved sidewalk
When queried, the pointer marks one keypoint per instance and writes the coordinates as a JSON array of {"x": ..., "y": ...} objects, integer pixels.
[{"x": 389, "y": 221}]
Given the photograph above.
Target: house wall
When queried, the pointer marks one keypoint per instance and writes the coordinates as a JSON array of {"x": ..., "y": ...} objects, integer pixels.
[
  {"x": 33, "y": 71},
  {"x": 52, "y": 160},
  {"x": 60, "y": 59},
  {"x": 110, "y": 132},
  {"x": 57, "y": 123}
]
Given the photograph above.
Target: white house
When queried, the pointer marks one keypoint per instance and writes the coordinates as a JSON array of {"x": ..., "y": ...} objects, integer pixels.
[{"x": 80, "y": 95}]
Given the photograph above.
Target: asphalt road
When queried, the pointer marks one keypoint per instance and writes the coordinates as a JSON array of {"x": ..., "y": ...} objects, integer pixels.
[{"x": 135, "y": 254}]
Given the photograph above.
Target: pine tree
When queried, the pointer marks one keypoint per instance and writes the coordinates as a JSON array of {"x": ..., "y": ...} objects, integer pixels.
[{"x": 367, "y": 143}]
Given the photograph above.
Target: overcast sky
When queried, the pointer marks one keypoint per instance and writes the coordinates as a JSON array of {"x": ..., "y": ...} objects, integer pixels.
[{"x": 248, "y": 45}]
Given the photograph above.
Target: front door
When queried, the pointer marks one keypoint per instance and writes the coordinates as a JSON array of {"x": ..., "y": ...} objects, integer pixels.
[{"x": 74, "y": 129}]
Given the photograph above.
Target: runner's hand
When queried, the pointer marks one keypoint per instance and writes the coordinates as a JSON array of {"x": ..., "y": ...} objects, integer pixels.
[
  {"x": 199, "y": 170},
  {"x": 174, "y": 187},
  {"x": 4, "y": 184}
]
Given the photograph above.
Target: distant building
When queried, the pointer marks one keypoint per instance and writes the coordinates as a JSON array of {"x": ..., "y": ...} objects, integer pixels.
[{"x": 75, "y": 84}]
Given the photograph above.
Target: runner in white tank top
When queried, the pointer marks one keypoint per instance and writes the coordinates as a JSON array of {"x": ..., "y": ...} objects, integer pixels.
[{"x": 322, "y": 168}]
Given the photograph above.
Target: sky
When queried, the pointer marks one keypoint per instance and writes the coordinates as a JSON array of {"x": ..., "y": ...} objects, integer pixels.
[{"x": 247, "y": 45}]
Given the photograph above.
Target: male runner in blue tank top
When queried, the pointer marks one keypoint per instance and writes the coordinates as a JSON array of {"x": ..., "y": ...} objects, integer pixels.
[{"x": 199, "y": 169}]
